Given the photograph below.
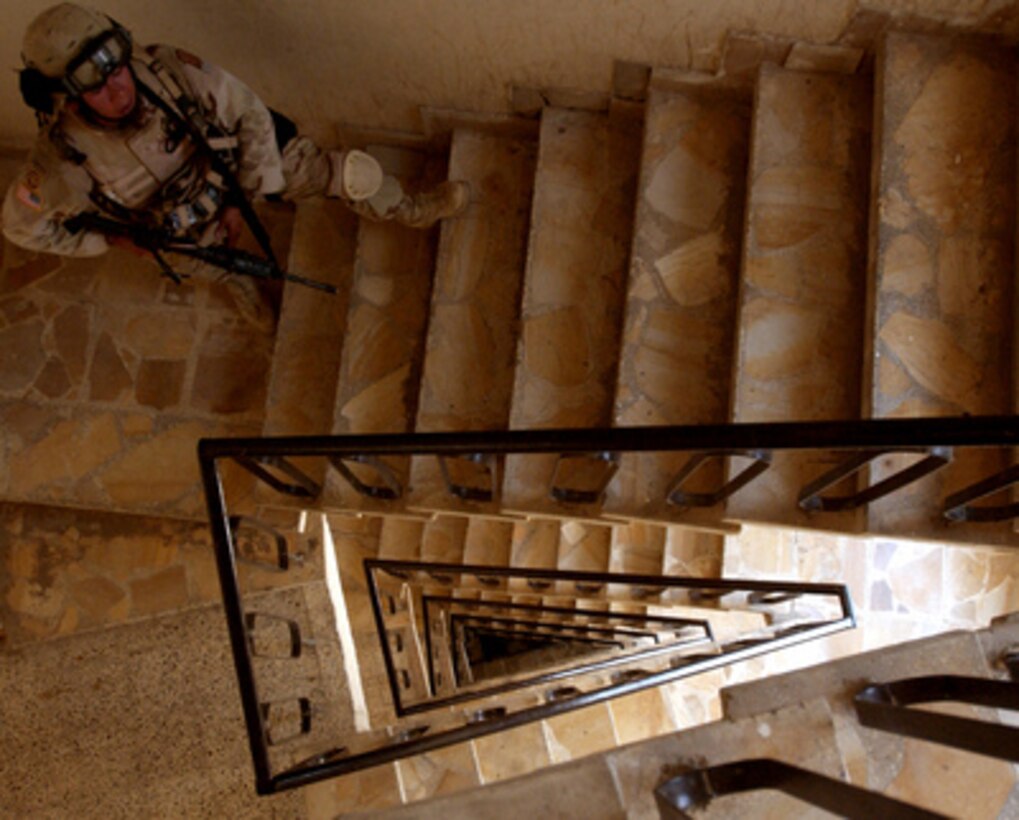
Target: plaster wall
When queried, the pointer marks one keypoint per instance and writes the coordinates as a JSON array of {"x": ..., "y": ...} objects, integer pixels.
[{"x": 372, "y": 63}]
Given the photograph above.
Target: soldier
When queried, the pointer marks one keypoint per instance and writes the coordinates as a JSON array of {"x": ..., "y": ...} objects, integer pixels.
[{"x": 159, "y": 137}]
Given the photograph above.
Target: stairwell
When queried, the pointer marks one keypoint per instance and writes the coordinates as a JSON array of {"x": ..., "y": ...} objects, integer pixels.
[
  {"x": 700, "y": 256},
  {"x": 790, "y": 244}
]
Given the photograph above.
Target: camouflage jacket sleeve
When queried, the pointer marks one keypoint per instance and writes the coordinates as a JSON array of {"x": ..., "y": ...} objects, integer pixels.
[
  {"x": 232, "y": 105},
  {"x": 48, "y": 190}
]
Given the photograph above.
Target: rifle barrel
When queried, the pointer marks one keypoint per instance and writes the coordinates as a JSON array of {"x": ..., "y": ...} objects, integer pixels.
[{"x": 238, "y": 262}]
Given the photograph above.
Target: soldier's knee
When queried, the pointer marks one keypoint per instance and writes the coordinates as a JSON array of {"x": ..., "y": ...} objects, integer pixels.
[{"x": 356, "y": 176}]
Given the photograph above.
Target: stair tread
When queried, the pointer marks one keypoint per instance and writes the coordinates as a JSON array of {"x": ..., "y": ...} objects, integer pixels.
[
  {"x": 379, "y": 361},
  {"x": 583, "y": 547},
  {"x": 535, "y": 544},
  {"x": 802, "y": 290},
  {"x": 442, "y": 540},
  {"x": 311, "y": 328},
  {"x": 512, "y": 752},
  {"x": 675, "y": 358},
  {"x": 580, "y": 733},
  {"x": 373, "y": 790},
  {"x": 488, "y": 541},
  {"x": 441, "y": 771},
  {"x": 641, "y": 715},
  {"x": 638, "y": 549},
  {"x": 38, "y": 469},
  {"x": 944, "y": 259},
  {"x": 384, "y": 341},
  {"x": 572, "y": 301},
  {"x": 693, "y": 552},
  {"x": 400, "y": 539},
  {"x": 467, "y": 375}
]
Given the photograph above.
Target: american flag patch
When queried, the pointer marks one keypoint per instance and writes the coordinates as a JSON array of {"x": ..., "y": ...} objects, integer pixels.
[{"x": 28, "y": 192}]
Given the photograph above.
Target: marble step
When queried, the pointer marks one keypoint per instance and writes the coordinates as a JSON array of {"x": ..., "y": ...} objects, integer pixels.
[
  {"x": 943, "y": 262},
  {"x": 582, "y": 547},
  {"x": 638, "y": 549},
  {"x": 309, "y": 337},
  {"x": 641, "y": 715},
  {"x": 512, "y": 753},
  {"x": 675, "y": 357},
  {"x": 400, "y": 538},
  {"x": 800, "y": 314},
  {"x": 312, "y": 324},
  {"x": 488, "y": 542},
  {"x": 467, "y": 376},
  {"x": 693, "y": 553},
  {"x": 380, "y": 366},
  {"x": 442, "y": 771},
  {"x": 535, "y": 546},
  {"x": 443, "y": 539},
  {"x": 580, "y": 733},
  {"x": 73, "y": 571},
  {"x": 375, "y": 789},
  {"x": 573, "y": 293}
]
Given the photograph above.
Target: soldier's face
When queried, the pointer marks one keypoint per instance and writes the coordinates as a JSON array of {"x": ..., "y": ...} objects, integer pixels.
[{"x": 115, "y": 98}]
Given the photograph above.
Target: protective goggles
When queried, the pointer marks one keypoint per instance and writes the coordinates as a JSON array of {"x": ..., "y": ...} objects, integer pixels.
[{"x": 97, "y": 61}]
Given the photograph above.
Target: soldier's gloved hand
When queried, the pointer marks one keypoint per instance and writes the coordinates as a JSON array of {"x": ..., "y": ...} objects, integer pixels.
[{"x": 231, "y": 223}]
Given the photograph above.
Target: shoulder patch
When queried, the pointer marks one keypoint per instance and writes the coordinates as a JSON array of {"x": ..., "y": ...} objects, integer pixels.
[
  {"x": 29, "y": 190},
  {"x": 190, "y": 59}
]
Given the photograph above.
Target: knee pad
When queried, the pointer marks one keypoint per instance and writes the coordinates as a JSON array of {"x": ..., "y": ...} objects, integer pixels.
[{"x": 356, "y": 175}]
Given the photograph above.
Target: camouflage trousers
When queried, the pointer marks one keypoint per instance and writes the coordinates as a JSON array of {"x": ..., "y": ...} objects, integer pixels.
[{"x": 310, "y": 171}]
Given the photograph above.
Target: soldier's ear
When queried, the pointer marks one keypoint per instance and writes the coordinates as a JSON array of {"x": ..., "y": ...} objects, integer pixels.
[{"x": 38, "y": 90}]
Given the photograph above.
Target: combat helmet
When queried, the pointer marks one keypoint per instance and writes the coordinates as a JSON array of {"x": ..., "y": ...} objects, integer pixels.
[{"x": 77, "y": 46}]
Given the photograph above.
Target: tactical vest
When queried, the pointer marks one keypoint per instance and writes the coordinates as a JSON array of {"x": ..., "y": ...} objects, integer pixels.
[{"x": 149, "y": 165}]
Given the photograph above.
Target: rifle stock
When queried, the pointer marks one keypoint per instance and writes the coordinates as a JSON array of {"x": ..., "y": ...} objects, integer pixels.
[{"x": 231, "y": 260}]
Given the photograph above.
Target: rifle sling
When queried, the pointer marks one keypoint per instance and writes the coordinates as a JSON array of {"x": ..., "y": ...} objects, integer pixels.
[{"x": 218, "y": 164}]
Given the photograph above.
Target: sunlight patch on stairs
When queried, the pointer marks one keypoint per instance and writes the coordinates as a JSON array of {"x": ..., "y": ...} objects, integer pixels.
[{"x": 358, "y": 703}]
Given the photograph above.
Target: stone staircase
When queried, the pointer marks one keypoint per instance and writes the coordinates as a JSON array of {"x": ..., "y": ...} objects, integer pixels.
[
  {"x": 712, "y": 270},
  {"x": 807, "y": 246},
  {"x": 790, "y": 249}
]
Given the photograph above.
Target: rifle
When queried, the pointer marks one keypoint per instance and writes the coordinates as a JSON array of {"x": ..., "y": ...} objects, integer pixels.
[{"x": 154, "y": 241}]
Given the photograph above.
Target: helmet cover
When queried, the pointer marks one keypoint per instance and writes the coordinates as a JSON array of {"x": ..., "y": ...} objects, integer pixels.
[{"x": 58, "y": 35}]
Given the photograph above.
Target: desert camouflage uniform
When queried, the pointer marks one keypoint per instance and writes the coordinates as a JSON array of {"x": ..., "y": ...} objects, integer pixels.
[{"x": 147, "y": 163}]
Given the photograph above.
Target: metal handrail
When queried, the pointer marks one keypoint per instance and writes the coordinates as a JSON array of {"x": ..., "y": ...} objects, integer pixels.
[
  {"x": 886, "y": 706},
  {"x": 268, "y": 459},
  {"x": 965, "y": 431},
  {"x": 678, "y": 797}
]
